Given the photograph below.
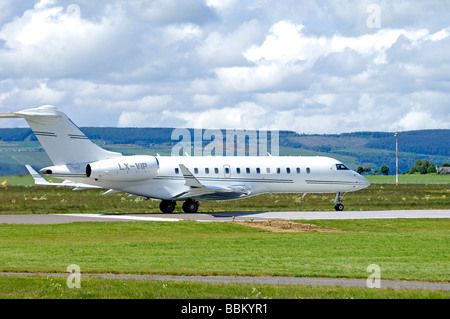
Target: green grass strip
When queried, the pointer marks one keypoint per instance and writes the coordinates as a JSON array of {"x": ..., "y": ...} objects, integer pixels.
[
  {"x": 98, "y": 288},
  {"x": 404, "y": 249}
]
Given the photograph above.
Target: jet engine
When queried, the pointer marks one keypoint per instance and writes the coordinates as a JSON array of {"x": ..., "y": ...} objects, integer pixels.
[{"x": 124, "y": 169}]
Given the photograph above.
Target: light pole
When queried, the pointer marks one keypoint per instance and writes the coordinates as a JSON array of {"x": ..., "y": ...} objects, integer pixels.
[{"x": 396, "y": 159}]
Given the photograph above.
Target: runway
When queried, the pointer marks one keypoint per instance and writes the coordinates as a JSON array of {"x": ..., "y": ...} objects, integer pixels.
[{"x": 221, "y": 216}]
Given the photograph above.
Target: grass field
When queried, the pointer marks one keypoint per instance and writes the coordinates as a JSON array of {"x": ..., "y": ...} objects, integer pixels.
[
  {"x": 404, "y": 250},
  {"x": 406, "y": 179},
  {"x": 43, "y": 200}
]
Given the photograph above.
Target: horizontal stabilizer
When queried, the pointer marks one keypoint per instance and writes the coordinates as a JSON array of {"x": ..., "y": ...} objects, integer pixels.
[
  {"x": 38, "y": 179},
  {"x": 8, "y": 115},
  {"x": 61, "y": 139}
]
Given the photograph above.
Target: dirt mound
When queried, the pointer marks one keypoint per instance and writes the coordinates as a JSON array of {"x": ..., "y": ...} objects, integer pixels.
[{"x": 275, "y": 225}]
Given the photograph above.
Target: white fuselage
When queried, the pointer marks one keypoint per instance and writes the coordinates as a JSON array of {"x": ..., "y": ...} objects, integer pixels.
[{"x": 265, "y": 174}]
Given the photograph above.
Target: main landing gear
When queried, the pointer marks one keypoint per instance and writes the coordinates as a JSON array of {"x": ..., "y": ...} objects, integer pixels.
[
  {"x": 190, "y": 206},
  {"x": 167, "y": 206},
  {"x": 338, "y": 202}
]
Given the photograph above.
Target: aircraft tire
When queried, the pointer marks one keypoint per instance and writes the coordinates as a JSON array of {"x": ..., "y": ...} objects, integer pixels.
[
  {"x": 190, "y": 206},
  {"x": 167, "y": 206},
  {"x": 339, "y": 207}
]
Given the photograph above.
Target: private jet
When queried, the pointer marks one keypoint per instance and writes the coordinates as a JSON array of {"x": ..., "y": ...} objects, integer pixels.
[{"x": 189, "y": 179}]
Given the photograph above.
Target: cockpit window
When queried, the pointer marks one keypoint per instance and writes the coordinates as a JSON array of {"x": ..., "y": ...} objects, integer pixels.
[{"x": 341, "y": 167}]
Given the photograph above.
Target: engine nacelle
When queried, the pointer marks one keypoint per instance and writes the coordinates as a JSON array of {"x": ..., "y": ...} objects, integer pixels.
[{"x": 124, "y": 169}]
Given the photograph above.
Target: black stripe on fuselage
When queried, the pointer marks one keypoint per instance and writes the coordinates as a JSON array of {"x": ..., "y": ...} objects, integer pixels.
[
  {"x": 207, "y": 179},
  {"x": 227, "y": 179},
  {"x": 320, "y": 182}
]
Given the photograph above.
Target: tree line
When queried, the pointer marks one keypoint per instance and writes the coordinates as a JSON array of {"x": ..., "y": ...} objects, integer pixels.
[
  {"x": 383, "y": 170},
  {"x": 420, "y": 167}
]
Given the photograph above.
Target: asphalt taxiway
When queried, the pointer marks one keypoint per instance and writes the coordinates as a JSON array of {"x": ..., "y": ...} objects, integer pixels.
[
  {"x": 221, "y": 216},
  {"x": 303, "y": 281}
]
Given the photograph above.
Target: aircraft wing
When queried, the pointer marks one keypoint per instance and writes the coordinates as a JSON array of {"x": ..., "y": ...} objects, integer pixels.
[
  {"x": 39, "y": 180},
  {"x": 201, "y": 192}
]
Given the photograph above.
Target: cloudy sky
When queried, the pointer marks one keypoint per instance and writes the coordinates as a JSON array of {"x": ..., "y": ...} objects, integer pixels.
[{"x": 323, "y": 66}]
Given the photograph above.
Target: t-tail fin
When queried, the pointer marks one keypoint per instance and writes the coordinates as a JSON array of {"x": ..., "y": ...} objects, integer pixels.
[{"x": 61, "y": 139}]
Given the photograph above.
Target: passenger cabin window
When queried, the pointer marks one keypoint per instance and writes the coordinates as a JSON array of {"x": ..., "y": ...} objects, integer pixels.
[
  {"x": 206, "y": 170},
  {"x": 308, "y": 170},
  {"x": 227, "y": 170},
  {"x": 288, "y": 170},
  {"x": 195, "y": 170},
  {"x": 258, "y": 170},
  {"x": 216, "y": 170},
  {"x": 298, "y": 170},
  {"x": 268, "y": 170},
  {"x": 278, "y": 170},
  {"x": 238, "y": 170},
  {"x": 341, "y": 167},
  {"x": 247, "y": 170},
  {"x": 177, "y": 171}
]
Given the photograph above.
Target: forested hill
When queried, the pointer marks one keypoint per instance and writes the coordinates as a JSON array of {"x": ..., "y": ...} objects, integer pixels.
[
  {"x": 431, "y": 142},
  {"x": 435, "y": 142},
  {"x": 18, "y": 146},
  {"x": 111, "y": 135}
]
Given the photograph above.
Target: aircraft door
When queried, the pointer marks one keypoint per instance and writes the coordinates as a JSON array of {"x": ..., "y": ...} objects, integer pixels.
[{"x": 227, "y": 170}]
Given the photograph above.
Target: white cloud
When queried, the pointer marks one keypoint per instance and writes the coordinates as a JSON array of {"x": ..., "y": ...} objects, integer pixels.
[
  {"x": 284, "y": 44},
  {"x": 244, "y": 115},
  {"x": 133, "y": 119},
  {"x": 440, "y": 35},
  {"x": 416, "y": 120},
  {"x": 225, "y": 49},
  {"x": 204, "y": 100},
  {"x": 305, "y": 66},
  {"x": 220, "y": 4},
  {"x": 287, "y": 43},
  {"x": 39, "y": 93},
  {"x": 148, "y": 104},
  {"x": 171, "y": 11},
  {"x": 247, "y": 79},
  {"x": 183, "y": 32},
  {"x": 52, "y": 40},
  {"x": 280, "y": 100}
]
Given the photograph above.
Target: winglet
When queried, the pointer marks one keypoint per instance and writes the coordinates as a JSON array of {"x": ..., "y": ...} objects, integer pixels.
[{"x": 190, "y": 179}]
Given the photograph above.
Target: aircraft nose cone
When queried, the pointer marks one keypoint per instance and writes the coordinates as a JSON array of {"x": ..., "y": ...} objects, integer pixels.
[{"x": 364, "y": 182}]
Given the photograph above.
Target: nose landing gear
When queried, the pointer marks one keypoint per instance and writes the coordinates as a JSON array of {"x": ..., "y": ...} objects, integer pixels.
[{"x": 338, "y": 202}]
